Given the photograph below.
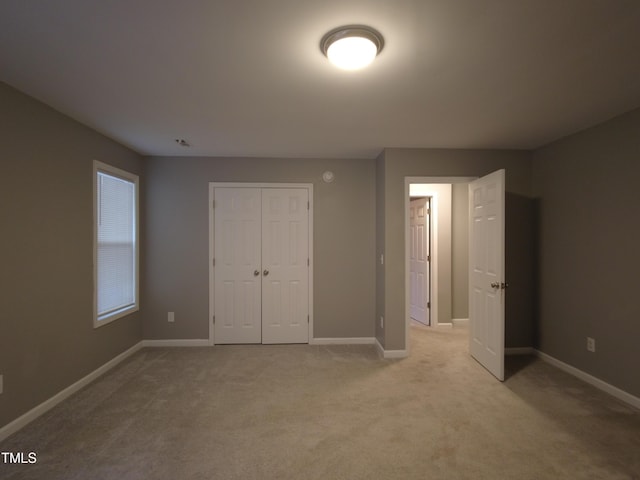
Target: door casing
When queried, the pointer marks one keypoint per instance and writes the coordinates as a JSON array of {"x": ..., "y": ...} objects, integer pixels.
[{"x": 212, "y": 187}]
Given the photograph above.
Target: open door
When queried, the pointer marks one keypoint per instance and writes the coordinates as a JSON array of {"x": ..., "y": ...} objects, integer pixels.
[{"x": 486, "y": 271}]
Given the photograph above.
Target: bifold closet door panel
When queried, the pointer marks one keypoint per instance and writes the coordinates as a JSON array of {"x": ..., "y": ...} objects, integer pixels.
[
  {"x": 238, "y": 277},
  {"x": 285, "y": 265}
]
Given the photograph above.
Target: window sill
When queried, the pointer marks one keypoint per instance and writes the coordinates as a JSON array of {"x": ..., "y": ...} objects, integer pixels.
[{"x": 110, "y": 317}]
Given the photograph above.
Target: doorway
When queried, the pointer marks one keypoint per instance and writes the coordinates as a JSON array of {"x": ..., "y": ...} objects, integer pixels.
[
  {"x": 484, "y": 295},
  {"x": 448, "y": 252}
]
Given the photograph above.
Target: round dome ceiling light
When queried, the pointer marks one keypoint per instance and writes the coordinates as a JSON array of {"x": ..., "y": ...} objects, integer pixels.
[{"x": 352, "y": 47}]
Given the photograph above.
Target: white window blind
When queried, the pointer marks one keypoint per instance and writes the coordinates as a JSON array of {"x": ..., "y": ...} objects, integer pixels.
[{"x": 116, "y": 240}]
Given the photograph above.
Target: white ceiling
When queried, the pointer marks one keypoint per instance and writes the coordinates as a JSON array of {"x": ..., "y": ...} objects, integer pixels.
[{"x": 247, "y": 78}]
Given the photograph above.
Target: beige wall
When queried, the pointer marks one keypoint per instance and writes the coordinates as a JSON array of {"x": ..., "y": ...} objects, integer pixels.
[
  {"x": 460, "y": 250},
  {"x": 520, "y": 256},
  {"x": 47, "y": 339},
  {"x": 589, "y": 232},
  {"x": 177, "y": 232},
  {"x": 399, "y": 163}
]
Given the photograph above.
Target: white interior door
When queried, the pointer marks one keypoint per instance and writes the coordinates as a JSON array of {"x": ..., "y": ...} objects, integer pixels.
[
  {"x": 486, "y": 271},
  {"x": 285, "y": 264},
  {"x": 418, "y": 260},
  {"x": 238, "y": 281}
]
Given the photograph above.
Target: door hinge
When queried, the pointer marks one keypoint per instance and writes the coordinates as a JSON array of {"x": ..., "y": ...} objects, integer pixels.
[
  {"x": 428, "y": 258},
  {"x": 213, "y": 261},
  {"x": 308, "y": 263},
  {"x": 428, "y": 304},
  {"x": 213, "y": 204},
  {"x": 214, "y": 319},
  {"x": 308, "y": 206},
  {"x": 307, "y": 318}
]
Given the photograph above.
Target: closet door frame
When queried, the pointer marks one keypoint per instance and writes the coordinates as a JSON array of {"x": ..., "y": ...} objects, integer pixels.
[{"x": 212, "y": 187}]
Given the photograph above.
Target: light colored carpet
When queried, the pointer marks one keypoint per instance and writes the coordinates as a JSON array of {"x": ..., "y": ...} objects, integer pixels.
[{"x": 339, "y": 412}]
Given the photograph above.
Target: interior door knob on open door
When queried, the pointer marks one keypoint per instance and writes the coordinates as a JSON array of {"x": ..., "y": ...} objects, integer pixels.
[
  {"x": 256, "y": 273},
  {"x": 495, "y": 285},
  {"x": 266, "y": 272}
]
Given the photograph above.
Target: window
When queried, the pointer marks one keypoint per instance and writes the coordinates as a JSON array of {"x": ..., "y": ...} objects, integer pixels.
[{"x": 115, "y": 243}]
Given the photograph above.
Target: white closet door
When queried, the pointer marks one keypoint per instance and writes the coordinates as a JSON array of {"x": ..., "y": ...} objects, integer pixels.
[
  {"x": 285, "y": 268},
  {"x": 237, "y": 270}
]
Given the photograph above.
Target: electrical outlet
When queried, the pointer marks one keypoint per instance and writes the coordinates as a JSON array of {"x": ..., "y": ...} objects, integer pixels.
[
  {"x": 171, "y": 317},
  {"x": 1, "y": 383},
  {"x": 381, "y": 321},
  {"x": 591, "y": 344}
]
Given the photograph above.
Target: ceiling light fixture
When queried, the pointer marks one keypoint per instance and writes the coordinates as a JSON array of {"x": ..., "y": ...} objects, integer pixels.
[{"x": 352, "y": 47}]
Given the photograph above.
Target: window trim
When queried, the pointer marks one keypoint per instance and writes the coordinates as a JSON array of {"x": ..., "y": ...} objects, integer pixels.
[{"x": 99, "y": 167}]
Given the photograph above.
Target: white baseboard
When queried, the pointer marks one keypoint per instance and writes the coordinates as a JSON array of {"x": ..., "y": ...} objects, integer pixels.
[
  {"x": 205, "y": 342},
  {"x": 590, "y": 379},
  {"x": 47, "y": 405},
  {"x": 176, "y": 343},
  {"x": 343, "y": 341},
  {"x": 395, "y": 353},
  {"x": 460, "y": 322},
  {"x": 519, "y": 351},
  {"x": 390, "y": 353}
]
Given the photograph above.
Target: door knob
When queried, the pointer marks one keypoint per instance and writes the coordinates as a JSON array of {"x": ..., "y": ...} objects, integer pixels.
[
  {"x": 256, "y": 273},
  {"x": 504, "y": 285},
  {"x": 266, "y": 272},
  {"x": 495, "y": 285}
]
